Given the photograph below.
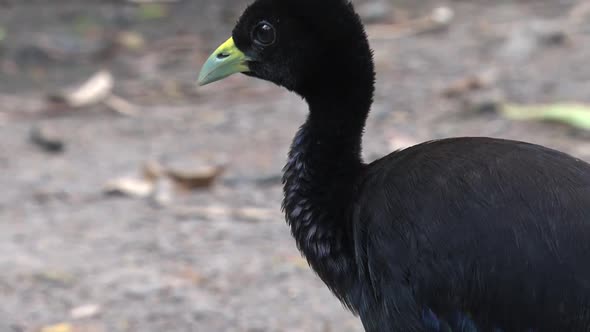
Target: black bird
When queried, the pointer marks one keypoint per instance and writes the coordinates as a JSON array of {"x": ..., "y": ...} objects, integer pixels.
[{"x": 460, "y": 234}]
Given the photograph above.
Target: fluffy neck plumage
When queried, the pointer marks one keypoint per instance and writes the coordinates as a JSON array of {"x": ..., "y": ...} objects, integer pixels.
[
  {"x": 325, "y": 164},
  {"x": 320, "y": 180}
]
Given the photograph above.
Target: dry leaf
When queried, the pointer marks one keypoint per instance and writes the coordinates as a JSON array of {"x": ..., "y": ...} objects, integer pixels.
[
  {"x": 152, "y": 10},
  {"x": 85, "y": 311},
  {"x": 442, "y": 16},
  {"x": 132, "y": 187},
  {"x": 61, "y": 327},
  {"x": 131, "y": 40},
  {"x": 91, "y": 92},
  {"x": 120, "y": 105},
  {"x": 195, "y": 179}
]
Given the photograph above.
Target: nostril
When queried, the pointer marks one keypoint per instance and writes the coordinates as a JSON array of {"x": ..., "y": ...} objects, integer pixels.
[{"x": 221, "y": 56}]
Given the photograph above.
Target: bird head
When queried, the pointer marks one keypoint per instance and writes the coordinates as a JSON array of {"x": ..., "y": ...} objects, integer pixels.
[{"x": 303, "y": 45}]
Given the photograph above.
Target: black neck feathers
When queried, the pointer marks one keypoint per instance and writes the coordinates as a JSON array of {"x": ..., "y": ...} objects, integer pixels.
[
  {"x": 320, "y": 180},
  {"x": 325, "y": 164}
]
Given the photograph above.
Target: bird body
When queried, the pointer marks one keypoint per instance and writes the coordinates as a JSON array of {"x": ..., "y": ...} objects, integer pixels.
[
  {"x": 495, "y": 228},
  {"x": 462, "y": 234}
]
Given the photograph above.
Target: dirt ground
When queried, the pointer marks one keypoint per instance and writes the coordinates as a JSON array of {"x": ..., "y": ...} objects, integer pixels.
[{"x": 221, "y": 258}]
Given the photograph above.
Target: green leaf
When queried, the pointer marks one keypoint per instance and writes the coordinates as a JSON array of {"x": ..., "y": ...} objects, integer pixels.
[
  {"x": 83, "y": 25},
  {"x": 152, "y": 11},
  {"x": 573, "y": 114}
]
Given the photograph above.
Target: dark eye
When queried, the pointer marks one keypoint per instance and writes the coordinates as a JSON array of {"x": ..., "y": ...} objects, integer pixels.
[{"x": 264, "y": 34}]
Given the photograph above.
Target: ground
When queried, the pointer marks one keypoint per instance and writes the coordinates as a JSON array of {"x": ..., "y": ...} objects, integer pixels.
[{"x": 221, "y": 258}]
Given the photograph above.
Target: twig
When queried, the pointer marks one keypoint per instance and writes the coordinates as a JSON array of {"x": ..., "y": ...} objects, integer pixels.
[{"x": 120, "y": 105}]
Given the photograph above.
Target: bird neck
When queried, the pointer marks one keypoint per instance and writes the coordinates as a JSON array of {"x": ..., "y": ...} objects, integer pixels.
[{"x": 319, "y": 179}]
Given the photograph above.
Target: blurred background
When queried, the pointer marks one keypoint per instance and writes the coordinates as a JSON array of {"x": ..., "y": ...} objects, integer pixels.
[{"x": 133, "y": 201}]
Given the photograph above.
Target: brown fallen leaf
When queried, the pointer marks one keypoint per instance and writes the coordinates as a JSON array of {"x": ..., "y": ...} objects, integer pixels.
[
  {"x": 195, "y": 179},
  {"x": 184, "y": 177},
  {"x": 160, "y": 183}
]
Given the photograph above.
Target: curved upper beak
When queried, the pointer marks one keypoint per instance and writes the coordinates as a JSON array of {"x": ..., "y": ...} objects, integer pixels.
[{"x": 225, "y": 61}]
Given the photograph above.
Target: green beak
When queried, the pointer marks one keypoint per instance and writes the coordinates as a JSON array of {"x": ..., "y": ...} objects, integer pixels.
[{"x": 225, "y": 61}]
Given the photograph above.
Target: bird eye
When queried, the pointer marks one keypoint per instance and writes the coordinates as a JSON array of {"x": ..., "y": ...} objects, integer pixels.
[{"x": 264, "y": 34}]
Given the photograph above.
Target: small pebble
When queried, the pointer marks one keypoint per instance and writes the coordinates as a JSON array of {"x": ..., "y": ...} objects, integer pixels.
[{"x": 47, "y": 139}]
